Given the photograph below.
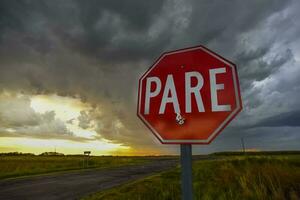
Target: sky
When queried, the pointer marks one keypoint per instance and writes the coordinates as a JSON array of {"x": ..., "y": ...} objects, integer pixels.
[{"x": 69, "y": 71}]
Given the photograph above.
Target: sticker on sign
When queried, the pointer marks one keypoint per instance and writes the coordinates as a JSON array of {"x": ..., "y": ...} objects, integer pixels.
[{"x": 188, "y": 96}]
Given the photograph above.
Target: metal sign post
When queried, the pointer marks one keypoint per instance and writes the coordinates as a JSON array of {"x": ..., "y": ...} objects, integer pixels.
[{"x": 186, "y": 171}]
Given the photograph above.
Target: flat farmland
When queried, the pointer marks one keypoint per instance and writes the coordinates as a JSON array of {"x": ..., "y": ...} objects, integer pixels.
[
  {"x": 25, "y": 165},
  {"x": 223, "y": 176},
  {"x": 263, "y": 175},
  {"x": 66, "y": 177}
]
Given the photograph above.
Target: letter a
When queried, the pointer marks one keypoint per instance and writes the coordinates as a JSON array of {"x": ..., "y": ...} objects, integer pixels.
[{"x": 169, "y": 87}]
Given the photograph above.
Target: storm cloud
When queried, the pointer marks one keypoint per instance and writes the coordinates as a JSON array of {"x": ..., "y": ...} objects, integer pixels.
[{"x": 96, "y": 51}]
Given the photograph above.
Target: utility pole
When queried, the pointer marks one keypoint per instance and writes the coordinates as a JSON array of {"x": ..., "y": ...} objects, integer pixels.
[{"x": 243, "y": 145}]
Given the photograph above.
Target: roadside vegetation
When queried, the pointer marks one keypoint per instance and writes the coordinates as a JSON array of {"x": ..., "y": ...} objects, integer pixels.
[
  {"x": 16, "y": 165},
  {"x": 224, "y": 176}
]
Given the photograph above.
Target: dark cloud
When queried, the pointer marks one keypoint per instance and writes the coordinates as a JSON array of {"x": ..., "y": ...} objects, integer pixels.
[
  {"x": 291, "y": 118},
  {"x": 257, "y": 68},
  {"x": 84, "y": 120},
  {"x": 98, "y": 29},
  {"x": 96, "y": 51},
  {"x": 18, "y": 119}
]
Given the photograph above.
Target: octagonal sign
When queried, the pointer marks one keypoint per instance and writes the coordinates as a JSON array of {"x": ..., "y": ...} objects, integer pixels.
[{"x": 188, "y": 96}]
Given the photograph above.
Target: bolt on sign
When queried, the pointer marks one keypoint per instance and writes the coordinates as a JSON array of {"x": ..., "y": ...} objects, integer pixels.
[{"x": 188, "y": 96}]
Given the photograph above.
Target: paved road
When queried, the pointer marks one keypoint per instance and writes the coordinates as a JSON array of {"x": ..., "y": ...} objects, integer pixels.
[{"x": 76, "y": 185}]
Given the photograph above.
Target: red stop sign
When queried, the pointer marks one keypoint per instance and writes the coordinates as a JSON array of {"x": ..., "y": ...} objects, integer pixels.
[{"x": 188, "y": 96}]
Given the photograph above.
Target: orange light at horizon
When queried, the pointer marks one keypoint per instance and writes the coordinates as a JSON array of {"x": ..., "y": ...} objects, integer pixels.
[{"x": 38, "y": 146}]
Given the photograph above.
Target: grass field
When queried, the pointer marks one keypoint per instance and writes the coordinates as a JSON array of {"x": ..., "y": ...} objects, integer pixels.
[
  {"x": 15, "y": 166},
  {"x": 226, "y": 177}
]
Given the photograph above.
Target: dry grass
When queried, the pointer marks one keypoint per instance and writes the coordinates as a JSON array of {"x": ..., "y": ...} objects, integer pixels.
[
  {"x": 15, "y": 166},
  {"x": 230, "y": 177}
]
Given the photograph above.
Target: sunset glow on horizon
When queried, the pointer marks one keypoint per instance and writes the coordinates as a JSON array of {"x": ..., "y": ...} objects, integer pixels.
[
  {"x": 38, "y": 146},
  {"x": 66, "y": 110}
]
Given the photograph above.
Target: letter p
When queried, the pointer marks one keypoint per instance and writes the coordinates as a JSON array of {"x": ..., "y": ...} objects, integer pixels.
[{"x": 149, "y": 94}]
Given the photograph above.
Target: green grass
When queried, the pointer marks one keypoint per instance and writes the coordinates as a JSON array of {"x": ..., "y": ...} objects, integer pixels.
[
  {"x": 229, "y": 177},
  {"x": 16, "y": 166}
]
